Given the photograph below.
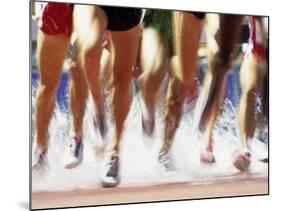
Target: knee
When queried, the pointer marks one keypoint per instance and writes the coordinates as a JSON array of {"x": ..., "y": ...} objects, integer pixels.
[
  {"x": 90, "y": 56},
  {"x": 75, "y": 72},
  {"x": 47, "y": 90}
]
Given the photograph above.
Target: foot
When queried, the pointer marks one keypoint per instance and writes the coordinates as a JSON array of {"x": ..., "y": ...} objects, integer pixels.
[
  {"x": 167, "y": 162},
  {"x": 242, "y": 161},
  {"x": 74, "y": 153},
  {"x": 39, "y": 157},
  {"x": 111, "y": 176},
  {"x": 206, "y": 155}
]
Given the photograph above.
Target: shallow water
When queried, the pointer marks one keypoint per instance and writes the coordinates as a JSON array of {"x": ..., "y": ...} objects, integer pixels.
[{"x": 139, "y": 164}]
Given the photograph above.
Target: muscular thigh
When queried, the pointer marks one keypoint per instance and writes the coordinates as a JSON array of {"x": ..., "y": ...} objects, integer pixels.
[
  {"x": 153, "y": 50},
  {"x": 89, "y": 23},
  {"x": 125, "y": 45}
]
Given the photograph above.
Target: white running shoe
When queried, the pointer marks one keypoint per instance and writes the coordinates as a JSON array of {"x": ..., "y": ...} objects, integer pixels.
[
  {"x": 39, "y": 157},
  {"x": 166, "y": 161},
  {"x": 111, "y": 176},
  {"x": 74, "y": 153}
]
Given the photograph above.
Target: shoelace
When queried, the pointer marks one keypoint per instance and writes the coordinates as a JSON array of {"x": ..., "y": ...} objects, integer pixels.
[
  {"x": 112, "y": 166},
  {"x": 166, "y": 161},
  {"x": 75, "y": 145}
]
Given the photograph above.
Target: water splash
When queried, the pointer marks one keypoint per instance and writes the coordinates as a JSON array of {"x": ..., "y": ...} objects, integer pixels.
[{"x": 139, "y": 165}]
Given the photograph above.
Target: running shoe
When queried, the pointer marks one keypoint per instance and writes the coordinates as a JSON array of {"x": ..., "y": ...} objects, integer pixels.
[
  {"x": 242, "y": 161},
  {"x": 166, "y": 161},
  {"x": 39, "y": 157},
  {"x": 74, "y": 153},
  {"x": 111, "y": 176}
]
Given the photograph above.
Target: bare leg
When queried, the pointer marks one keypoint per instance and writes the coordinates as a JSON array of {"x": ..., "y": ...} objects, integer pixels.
[
  {"x": 51, "y": 51},
  {"x": 250, "y": 76},
  {"x": 78, "y": 92},
  {"x": 105, "y": 74},
  {"x": 90, "y": 33},
  {"x": 215, "y": 80},
  {"x": 123, "y": 43},
  {"x": 184, "y": 66},
  {"x": 154, "y": 61}
]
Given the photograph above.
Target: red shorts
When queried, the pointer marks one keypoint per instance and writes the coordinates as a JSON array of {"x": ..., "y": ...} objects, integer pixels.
[
  {"x": 56, "y": 19},
  {"x": 259, "y": 51},
  {"x": 256, "y": 45}
]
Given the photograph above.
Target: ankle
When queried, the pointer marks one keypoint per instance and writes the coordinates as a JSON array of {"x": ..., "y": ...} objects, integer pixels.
[{"x": 76, "y": 136}]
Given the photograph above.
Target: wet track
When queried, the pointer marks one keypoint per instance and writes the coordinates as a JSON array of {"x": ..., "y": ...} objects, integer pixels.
[{"x": 233, "y": 186}]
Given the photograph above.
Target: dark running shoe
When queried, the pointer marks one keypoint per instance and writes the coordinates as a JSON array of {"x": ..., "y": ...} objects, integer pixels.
[
  {"x": 74, "y": 152},
  {"x": 111, "y": 176}
]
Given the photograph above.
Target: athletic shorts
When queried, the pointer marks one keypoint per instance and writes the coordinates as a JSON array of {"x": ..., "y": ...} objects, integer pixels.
[
  {"x": 161, "y": 21},
  {"x": 56, "y": 18},
  {"x": 122, "y": 19},
  {"x": 256, "y": 41}
]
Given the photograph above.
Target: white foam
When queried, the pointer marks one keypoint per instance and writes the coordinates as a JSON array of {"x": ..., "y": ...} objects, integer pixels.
[{"x": 139, "y": 164}]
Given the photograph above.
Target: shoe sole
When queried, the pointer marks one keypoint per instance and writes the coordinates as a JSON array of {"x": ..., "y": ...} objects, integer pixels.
[{"x": 110, "y": 185}]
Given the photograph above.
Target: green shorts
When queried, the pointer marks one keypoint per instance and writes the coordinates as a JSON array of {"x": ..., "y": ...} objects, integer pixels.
[{"x": 161, "y": 21}]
